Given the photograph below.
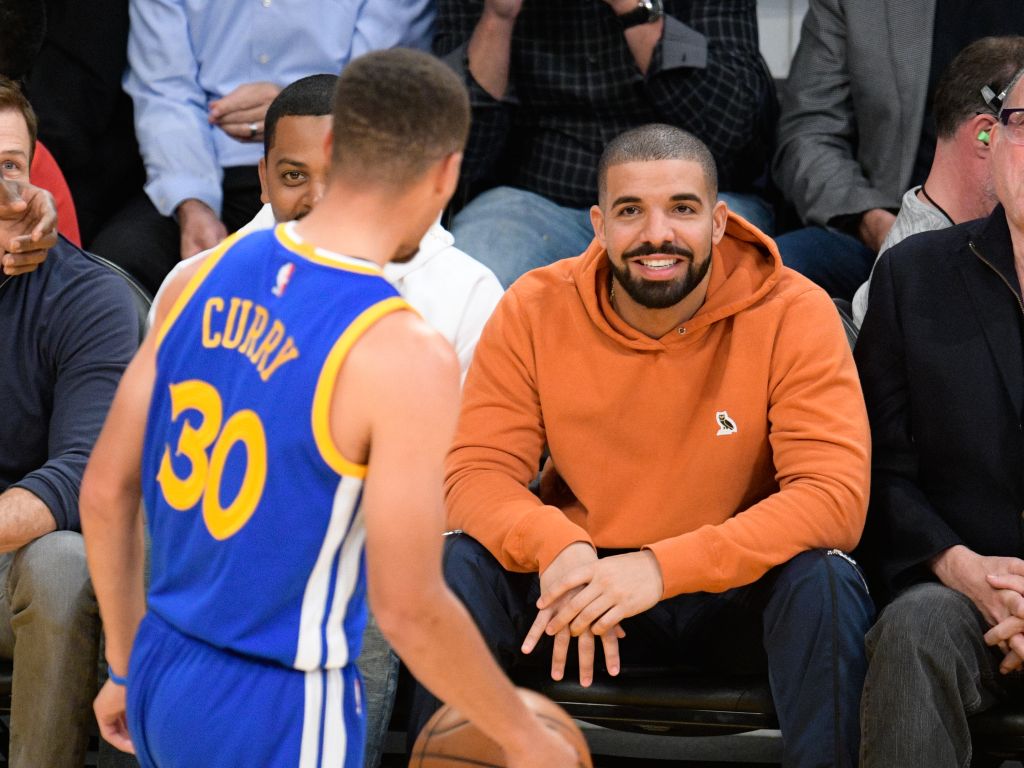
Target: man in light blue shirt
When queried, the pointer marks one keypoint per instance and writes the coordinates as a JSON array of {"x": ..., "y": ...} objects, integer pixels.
[{"x": 201, "y": 76}]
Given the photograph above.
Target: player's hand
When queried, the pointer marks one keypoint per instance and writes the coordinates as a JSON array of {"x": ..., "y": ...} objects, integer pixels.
[
  {"x": 613, "y": 589},
  {"x": 966, "y": 571},
  {"x": 28, "y": 226},
  {"x": 200, "y": 227},
  {"x": 545, "y": 747},
  {"x": 503, "y": 9},
  {"x": 110, "y": 706},
  {"x": 240, "y": 114}
]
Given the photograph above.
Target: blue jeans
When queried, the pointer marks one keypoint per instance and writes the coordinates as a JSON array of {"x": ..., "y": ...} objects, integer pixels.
[
  {"x": 513, "y": 231},
  {"x": 803, "y": 623},
  {"x": 834, "y": 260}
]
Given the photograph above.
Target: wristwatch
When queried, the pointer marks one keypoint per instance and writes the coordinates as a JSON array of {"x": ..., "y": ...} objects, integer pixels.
[{"x": 646, "y": 12}]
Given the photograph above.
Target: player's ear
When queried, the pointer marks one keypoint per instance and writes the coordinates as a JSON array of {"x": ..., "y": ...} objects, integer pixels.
[{"x": 447, "y": 175}]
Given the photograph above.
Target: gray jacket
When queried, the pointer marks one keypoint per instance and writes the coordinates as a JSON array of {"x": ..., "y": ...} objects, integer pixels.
[{"x": 853, "y": 106}]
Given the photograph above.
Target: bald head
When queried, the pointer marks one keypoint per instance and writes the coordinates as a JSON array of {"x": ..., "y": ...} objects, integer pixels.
[{"x": 656, "y": 142}]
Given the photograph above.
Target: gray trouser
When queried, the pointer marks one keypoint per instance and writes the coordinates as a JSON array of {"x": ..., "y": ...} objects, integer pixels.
[
  {"x": 928, "y": 670},
  {"x": 50, "y": 626},
  {"x": 379, "y": 667}
]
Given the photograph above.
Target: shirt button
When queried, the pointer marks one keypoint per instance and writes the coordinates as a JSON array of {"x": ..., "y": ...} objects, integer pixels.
[
  {"x": 263, "y": 59},
  {"x": 266, "y": 3}
]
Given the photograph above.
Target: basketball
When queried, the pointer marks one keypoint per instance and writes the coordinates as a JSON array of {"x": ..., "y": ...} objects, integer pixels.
[{"x": 449, "y": 740}]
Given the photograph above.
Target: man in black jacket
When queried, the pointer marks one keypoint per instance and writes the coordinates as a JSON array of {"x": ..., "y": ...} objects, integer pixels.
[{"x": 941, "y": 357}]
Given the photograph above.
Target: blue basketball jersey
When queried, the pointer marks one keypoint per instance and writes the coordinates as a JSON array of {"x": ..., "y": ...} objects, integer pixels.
[{"x": 257, "y": 535}]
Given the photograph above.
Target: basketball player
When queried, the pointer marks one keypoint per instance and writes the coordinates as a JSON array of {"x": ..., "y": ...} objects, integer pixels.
[{"x": 292, "y": 408}]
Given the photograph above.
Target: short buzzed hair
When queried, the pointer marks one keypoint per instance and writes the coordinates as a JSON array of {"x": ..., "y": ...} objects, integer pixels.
[
  {"x": 657, "y": 141},
  {"x": 12, "y": 99},
  {"x": 990, "y": 61},
  {"x": 311, "y": 96},
  {"x": 396, "y": 112}
]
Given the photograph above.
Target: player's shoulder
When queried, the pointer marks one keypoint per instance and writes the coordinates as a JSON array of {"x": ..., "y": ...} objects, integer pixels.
[{"x": 402, "y": 346}]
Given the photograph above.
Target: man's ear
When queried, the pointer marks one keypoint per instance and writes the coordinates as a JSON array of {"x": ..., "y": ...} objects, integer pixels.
[
  {"x": 264, "y": 192},
  {"x": 446, "y": 175},
  {"x": 597, "y": 222},
  {"x": 719, "y": 217},
  {"x": 979, "y": 130}
]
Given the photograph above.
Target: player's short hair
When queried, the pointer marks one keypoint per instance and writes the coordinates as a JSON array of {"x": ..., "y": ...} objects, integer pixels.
[
  {"x": 311, "y": 96},
  {"x": 12, "y": 99},
  {"x": 991, "y": 62},
  {"x": 23, "y": 26},
  {"x": 657, "y": 141},
  {"x": 396, "y": 112}
]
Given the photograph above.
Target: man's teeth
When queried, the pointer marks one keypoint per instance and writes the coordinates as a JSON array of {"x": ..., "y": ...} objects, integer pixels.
[{"x": 657, "y": 263}]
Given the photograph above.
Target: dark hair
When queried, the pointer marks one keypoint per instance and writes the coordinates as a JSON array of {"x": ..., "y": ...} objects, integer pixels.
[
  {"x": 657, "y": 141},
  {"x": 990, "y": 61},
  {"x": 11, "y": 98},
  {"x": 24, "y": 25},
  {"x": 396, "y": 112},
  {"x": 311, "y": 96}
]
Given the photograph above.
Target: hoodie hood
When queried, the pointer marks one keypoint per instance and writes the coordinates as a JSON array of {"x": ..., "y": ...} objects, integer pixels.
[{"x": 745, "y": 266}]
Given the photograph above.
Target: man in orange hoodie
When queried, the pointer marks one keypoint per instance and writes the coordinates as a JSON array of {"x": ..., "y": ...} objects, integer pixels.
[{"x": 701, "y": 408}]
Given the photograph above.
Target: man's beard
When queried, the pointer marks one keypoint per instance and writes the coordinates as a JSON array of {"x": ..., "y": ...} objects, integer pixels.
[{"x": 660, "y": 294}]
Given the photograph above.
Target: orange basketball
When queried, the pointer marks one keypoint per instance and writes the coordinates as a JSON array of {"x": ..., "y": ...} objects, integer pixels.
[{"x": 449, "y": 740}]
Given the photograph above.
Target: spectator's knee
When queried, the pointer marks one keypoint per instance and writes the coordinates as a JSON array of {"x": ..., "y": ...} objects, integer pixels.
[
  {"x": 50, "y": 576},
  {"x": 924, "y": 621},
  {"x": 821, "y": 580}
]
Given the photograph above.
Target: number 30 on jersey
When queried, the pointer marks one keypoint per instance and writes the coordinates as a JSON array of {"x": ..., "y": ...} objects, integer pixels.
[{"x": 207, "y": 448}]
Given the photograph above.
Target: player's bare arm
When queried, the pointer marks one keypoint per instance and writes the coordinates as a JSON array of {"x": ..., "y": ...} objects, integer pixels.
[
  {"x": 112, "y": 521},
  {"x": 405, "y": 380}
]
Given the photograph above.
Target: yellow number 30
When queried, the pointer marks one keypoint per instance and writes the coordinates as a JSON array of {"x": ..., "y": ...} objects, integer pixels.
[{"x": 204, "y": 479}]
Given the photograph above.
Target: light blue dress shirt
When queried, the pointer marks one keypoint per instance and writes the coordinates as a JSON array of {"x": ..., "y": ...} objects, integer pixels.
[{"x": 183, "y": 54}]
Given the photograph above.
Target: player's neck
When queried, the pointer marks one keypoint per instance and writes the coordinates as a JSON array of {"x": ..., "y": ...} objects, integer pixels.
[{"x": 362, "y": 225}]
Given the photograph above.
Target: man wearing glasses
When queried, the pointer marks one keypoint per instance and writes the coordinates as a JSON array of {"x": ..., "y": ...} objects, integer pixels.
[
  {"x": 941, "y": 358},
  {"x": 959, "y": 183}
]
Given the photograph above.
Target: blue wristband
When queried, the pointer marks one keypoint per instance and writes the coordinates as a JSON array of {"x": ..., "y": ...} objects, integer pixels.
[{"x": 123, "y": 681}]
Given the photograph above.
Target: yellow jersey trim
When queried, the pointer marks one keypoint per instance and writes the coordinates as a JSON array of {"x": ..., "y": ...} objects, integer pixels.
[
  {"x": 311, "y": 253},
  {"x": 193, "y": 284},
  {"x": 321, "y": 416}
]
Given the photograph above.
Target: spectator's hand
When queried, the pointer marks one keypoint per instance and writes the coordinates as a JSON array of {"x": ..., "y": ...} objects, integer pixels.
[
  {"x": 874, "y": 227},
  {"x": 604, "y": 593},
  {"x": 28, "y": 226},
  {"x": 966, "y": 571},
  {"x": 240, "y": 114},
  {"x": 568, "y": 560},
  {"x": 503, "y": 9},
  {"x": 109, "y": 706},
  {"x": 200, "y": 227}
]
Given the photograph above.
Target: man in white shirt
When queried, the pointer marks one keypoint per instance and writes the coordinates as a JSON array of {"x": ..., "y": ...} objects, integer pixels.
[{"x": 453, "y": 292}]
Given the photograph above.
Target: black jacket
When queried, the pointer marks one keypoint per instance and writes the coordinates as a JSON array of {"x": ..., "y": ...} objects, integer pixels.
[{"x": 941, "y": 360}]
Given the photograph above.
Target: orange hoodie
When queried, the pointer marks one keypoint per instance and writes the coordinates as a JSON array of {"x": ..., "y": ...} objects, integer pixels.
[{"x": 727, "y": 446}]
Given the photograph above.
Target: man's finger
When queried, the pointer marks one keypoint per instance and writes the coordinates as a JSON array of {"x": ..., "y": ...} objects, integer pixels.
[
  {"x": 591, "y": 613},
  {"x": 536, "y": 631},
  {"x": 559, "y": 651},
  {"x": 1004, "y": 630},
  {"x": 1010, "y": 581},
  {"x": 117, "y": 734},
  {"x": 569, "y": 607},
  {"x": 575, "y": 578},
  {"x": 610, "y": 643},
  {"x": 585, "y": 648},
  {"x": 1010, "y": 663}
]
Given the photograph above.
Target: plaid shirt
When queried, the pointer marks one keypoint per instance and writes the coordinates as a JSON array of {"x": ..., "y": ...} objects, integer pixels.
[{"x": 574, "y": 85}]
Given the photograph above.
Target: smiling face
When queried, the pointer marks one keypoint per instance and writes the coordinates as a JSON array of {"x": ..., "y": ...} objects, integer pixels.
[
  {"x": 15, "y": 145},
  {"x": 658, "y": 221},
  {"x": 294, "y": 172}
]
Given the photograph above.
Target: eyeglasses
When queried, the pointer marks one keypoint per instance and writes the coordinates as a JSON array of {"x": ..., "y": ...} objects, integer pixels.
[{"x": 1013, "y": 122}]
